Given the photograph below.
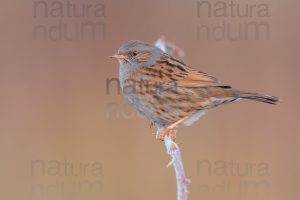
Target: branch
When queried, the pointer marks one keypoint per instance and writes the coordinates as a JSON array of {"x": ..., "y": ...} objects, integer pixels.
[
  {"x": 169, "y": 47},
  {"x": 182, "y": 181}
]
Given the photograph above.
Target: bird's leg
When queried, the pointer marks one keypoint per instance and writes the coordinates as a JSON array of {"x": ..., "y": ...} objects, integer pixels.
[{"x": 169, "y": 130}]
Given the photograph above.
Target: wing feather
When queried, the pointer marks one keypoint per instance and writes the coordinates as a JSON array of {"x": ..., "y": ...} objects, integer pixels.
[{"x": 170, "y": 71}]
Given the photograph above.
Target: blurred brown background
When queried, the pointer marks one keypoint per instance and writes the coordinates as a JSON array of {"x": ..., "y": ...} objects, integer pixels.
[{"x": 55, "y": 107}]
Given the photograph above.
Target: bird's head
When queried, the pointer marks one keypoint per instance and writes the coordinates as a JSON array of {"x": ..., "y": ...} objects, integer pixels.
[{"x": 135, "y": 54}]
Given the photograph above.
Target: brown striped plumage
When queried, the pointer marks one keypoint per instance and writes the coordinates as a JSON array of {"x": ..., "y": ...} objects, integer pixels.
[{"x": 167, "y": 91}]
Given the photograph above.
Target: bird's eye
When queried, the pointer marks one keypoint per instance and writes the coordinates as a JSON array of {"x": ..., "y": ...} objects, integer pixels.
[{"x": 134, "y": 53}]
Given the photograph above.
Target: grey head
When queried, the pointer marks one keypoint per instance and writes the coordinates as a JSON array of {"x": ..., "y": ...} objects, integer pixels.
[{"x": 135, "y": 53}]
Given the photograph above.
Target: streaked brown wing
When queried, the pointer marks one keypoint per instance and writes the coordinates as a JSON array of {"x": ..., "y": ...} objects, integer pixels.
[
  {"x": 169, "y": 69},
  {"x": 190, "y": 73}
]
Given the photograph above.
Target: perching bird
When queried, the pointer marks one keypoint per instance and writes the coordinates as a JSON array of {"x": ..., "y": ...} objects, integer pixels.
[{"x": 167, "y": 91}]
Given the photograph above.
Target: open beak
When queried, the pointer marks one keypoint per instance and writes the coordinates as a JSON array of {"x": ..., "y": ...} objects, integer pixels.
[{"x": 119, "y": 56}]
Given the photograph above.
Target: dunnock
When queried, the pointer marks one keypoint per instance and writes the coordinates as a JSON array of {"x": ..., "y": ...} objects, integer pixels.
[{"x": 167, "y": 91}]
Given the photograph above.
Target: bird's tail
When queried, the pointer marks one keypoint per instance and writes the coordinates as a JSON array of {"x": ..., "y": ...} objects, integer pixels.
[{"x": 258, "y": 97}]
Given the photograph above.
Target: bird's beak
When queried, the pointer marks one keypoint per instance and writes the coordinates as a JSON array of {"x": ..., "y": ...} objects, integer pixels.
[{"x": 119, "y": 56}]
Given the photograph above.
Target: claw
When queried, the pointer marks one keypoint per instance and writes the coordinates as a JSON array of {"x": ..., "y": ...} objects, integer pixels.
[
  {"x": 166, "y": 131},
  {"x": 151, "y": 125}
]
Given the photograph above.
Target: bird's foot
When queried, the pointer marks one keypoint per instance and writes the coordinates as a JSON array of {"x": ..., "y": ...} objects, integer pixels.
[
  {"x": 169, "y": 130},
  {"x": 166, "y": 131}
]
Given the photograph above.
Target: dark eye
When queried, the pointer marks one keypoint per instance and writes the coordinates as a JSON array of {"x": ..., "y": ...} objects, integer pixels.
[{"x": 134, "y": 53}]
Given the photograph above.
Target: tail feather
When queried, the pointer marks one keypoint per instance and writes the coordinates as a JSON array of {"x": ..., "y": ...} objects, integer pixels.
[{"x": 259, "y": 97}]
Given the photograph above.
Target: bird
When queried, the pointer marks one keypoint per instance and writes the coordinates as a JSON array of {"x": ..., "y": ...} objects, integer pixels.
[{"x": 168, "y": 92}]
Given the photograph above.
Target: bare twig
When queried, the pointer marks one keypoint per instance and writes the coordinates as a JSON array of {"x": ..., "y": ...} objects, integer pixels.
[
  {"x": 182, "y": 181},
  {"x": 169, "y": 47}
]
